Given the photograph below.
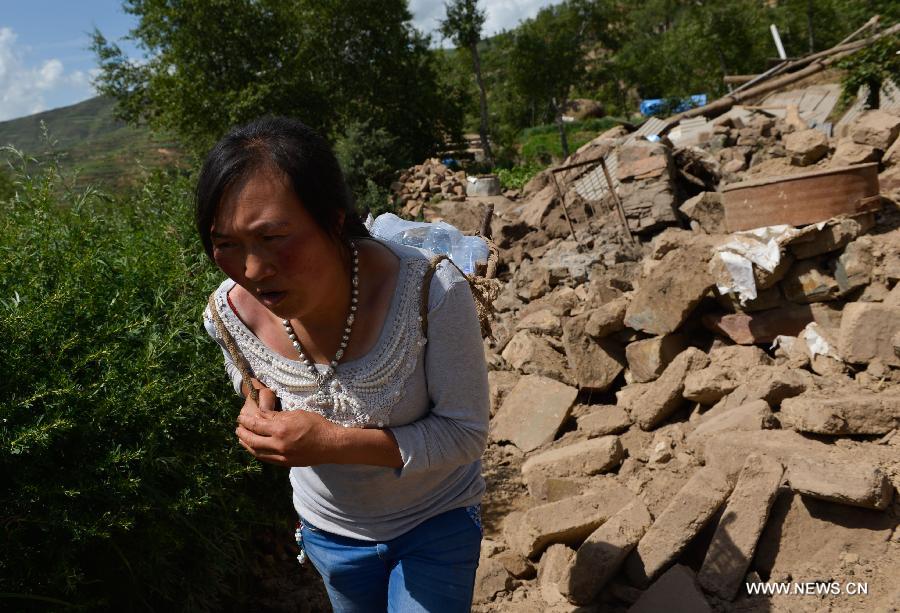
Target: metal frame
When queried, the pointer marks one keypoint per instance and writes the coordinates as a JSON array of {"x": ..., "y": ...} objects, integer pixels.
[{"x": 609, "y": 182}]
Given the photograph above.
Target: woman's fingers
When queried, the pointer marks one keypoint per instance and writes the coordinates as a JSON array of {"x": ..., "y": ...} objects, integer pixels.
[
  {"x": 256, "y": 422},
  {"x": 267, "y": 400},
  {"x": 255, "y": 443}
]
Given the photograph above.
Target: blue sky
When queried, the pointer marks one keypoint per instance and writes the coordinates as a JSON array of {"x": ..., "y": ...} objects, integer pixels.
[{"x": 45, "y": 62}]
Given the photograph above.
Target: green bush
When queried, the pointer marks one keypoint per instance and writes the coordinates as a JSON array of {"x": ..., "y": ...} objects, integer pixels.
[
  {"x": 540, "y": 145},
  {"x": 517, "y": 176},
  {"x": 7, "y": 189},
  {"x": 124, "y": 487}
]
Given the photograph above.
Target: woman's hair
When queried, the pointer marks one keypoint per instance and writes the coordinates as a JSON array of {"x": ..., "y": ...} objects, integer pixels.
[{"x": 295, "y": 149}]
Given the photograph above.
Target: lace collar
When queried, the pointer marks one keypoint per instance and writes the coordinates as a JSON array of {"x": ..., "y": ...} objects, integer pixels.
[{"x": 363, "y": 391}]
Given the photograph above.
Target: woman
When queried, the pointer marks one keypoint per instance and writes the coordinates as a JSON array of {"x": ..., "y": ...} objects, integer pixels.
[{"x": 385, "y": 449}]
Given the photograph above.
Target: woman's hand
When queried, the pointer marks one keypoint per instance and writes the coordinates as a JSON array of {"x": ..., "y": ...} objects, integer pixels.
[
  {"x": 304, "y": 438},
  {"x": 287, "y": 438}
]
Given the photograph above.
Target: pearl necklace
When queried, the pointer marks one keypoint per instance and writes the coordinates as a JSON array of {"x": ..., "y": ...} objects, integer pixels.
[{"x": 323, "y": 379}]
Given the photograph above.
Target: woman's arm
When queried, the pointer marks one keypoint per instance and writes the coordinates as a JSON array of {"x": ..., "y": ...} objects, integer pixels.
[{"x": 455, "y": 431}]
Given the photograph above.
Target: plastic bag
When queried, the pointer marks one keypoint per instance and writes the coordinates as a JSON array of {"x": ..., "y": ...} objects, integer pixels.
[{"x": 438, "y": 237}]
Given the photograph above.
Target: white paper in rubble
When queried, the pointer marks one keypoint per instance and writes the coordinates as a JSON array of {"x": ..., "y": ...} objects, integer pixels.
[
  {"x": 760, "y": 246},
  {"x": 816, "y": 341},
  {"x": 740, "y": 272}
]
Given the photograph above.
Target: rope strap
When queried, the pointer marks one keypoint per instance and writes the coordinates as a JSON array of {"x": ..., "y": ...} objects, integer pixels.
[{"x": 236, "y": 356}]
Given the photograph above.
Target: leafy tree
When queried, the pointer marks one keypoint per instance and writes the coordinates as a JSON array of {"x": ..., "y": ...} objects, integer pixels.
[
  {"x": 870, "y": 68},
  {"x": 209, "y": 65},
  {"x": 548, "y": 59},
  {"x": 462, "y": 24}
]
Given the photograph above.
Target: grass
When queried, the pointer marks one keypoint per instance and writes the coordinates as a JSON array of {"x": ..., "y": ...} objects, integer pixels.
[{"x": 541, "y": 145}]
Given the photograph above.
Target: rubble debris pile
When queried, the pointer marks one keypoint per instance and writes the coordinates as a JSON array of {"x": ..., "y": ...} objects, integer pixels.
[
  {"x": 425, "y": 183},
  {"x": 676, "y": 417}
]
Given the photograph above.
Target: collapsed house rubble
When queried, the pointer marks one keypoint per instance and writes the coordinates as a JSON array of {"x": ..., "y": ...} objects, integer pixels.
[{"x": 708, "y": 397}]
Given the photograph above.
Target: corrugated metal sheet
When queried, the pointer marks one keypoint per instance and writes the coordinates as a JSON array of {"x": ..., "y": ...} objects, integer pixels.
[
  {"x": 815, "y": 102},
  {"x": 654, "y": 125}
]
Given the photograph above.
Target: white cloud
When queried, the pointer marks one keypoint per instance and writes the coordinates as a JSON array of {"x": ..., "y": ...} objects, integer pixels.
[
  {"x": 499, "y": 15},
  {"x": 24, "y": 88}
]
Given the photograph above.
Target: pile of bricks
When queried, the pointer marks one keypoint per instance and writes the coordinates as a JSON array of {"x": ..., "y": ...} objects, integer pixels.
[
  {"x": 430, "y": 181},
  {"x": 668, "y": 433}
]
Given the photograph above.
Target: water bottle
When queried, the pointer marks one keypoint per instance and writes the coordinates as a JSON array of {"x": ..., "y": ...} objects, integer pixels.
[
  {"x": 468, "y": 252},
  {"x": 438, "y": 241}
]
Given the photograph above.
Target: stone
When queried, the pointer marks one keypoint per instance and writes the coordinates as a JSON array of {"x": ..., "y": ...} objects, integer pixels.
[
  {"x": 553, "y": 564},
  {"x": 500, "y": 383},
  {"x": 595, "y": 363},
  {"x": 891, "y": 157},
  {"x": 647, "y": 359},
  {"x": 690, "y": 510},
  {"x": 848, "y": 153},
  {"x": 806, "y": 147},
  {"x": 668, "y": 240},
  {"x": 590, "y": 457},
  {"x": 541, "y": 322},
  {"x": 875, "y": 128},
  {"x": 734, "y": 166},
  {"x": 840, "y": 479},
  {"x": 517, "y": 565},
  {"x": 866, "y": 332},
  {"x": 676, "y": 285},
  {"x": 833, "y": 236},
  {"x": 809, "y": 281},
  {"x": 491, "y": 579},
  {"x": 766, "y": 279},
  {"x": 675, "y": 591},
  {"x": 737, "y": 533},
  {"x": 604, "y": 419},
  {"x": 600, "y": 556},
  {"x": 664, "y": 396},
  {"x": 770, "y": 383},
  {"x": 533, "y": 411},
  {"x": 858, "y": 412},
  {"x": 568, "y": 521},
  {"x": 889, "y": 182},
  {"x": 537, "y": 183},
  {"x": 538, "y": 206},
  {"x": 728, "y": 451},
  {"x": 533, "y": 355},
  {"x": 628, "y": 395},
  {"x": 853, "y": 268},
  {"x": 762, "y": 327},
  {"x": 707, "y": 210},
  {"x": 739, "y": 358},
  {"x": 709, "y": 385},
  {"x": 607, "y": 319},
  {"x": 754, "y": 415}
]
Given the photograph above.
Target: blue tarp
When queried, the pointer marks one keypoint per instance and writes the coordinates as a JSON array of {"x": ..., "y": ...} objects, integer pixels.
[{"x": 667, "y": 106}]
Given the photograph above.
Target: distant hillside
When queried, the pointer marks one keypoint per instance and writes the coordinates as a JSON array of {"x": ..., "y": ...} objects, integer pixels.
[{"x": 100, "y": 147}]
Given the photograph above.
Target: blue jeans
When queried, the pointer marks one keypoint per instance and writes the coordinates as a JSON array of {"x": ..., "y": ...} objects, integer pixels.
[{"x": 430, "y": 568}]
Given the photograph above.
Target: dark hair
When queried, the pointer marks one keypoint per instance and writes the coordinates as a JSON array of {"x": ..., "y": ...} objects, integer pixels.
[{"x": 299, "y": 152}]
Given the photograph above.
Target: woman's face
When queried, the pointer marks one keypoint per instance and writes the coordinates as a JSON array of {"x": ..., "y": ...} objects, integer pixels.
[{"x": 265, "y": 240}]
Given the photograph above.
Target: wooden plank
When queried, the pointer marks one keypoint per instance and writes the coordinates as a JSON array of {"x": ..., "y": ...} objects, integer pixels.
[{"x": 801, "y": 199}]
